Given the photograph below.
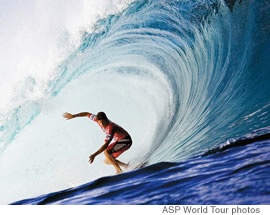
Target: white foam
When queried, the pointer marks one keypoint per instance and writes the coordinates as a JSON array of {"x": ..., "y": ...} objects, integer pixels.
[
  {"x": 52, "y": 153},
  {"x": 37, "y": 35}
]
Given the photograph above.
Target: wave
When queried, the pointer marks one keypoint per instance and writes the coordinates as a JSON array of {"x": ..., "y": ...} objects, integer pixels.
[
  {"x": 242, "y": 141},
  {"x": 194, "y": 74}
]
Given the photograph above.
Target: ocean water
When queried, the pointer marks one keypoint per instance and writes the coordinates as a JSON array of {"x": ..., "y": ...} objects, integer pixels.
[{"x": 188, "y": 79}]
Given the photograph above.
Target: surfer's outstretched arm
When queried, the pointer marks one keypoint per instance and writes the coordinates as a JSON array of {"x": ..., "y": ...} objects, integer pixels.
[{"x": 71, "y": 116}]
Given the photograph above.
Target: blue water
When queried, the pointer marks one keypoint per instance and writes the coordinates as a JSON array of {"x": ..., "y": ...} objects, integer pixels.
[
  {"x": 210, "y": 60},
  {"x": 239, "y": 175}
]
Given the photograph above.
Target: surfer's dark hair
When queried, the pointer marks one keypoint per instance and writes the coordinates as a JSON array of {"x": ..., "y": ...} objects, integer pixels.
[{"x": 102, "y": 116}]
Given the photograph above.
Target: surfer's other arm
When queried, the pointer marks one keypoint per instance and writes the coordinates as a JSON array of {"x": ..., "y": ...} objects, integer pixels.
[
  {"x": 71, "y": 116},
  {"x": 108, "y": 139},
  {"x": 102, "y": 148}
]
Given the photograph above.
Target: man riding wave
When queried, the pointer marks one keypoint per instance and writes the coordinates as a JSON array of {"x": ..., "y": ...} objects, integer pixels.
[{"x": 117, "y": 139}]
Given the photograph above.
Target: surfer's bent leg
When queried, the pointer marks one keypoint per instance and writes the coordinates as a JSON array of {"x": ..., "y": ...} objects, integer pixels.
[
  {"x": 112, "y": 160},
  {"x": 120, "y": 163},
  {"x": 116, "y": 149},
  {"x": 106, "y": 161}
]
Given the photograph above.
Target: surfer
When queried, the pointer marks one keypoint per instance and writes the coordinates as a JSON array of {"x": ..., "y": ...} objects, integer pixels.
[{"x": 116, "y": 142}]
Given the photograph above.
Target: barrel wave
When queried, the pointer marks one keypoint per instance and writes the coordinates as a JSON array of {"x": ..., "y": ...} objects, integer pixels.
[{"x": 188, "y": 79}]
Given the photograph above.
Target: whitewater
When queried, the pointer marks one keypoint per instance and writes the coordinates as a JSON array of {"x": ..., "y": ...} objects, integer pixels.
[{"x": 189, "y": 80}]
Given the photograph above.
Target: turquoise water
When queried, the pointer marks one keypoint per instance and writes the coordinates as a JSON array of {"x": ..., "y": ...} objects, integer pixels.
[{"x": 194, "y": 74}]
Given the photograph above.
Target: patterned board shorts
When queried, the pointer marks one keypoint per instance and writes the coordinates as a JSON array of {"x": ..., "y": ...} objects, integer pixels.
[{"x": 117, "y": 148}]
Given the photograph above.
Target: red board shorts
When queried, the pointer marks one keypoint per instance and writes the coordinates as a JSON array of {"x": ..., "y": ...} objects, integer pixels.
[{"x": 117, "y": 148}]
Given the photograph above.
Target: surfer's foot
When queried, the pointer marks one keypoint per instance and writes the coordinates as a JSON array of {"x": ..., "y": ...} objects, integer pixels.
[
  {"x": 126, "y": 165},
  {"x": 118, "y": 172}
]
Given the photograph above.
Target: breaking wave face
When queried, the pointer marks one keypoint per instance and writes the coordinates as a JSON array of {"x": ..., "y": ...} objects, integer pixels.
[{"x": 181, "y": 76}]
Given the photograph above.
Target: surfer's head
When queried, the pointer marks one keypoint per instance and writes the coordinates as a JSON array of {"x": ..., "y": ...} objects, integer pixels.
[{"x": 102, "y": 118}]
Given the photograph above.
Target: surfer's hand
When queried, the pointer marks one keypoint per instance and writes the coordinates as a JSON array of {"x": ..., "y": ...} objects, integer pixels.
[
  {"x": 68, "y": 115},
  {"x": 91, "y": 158}
]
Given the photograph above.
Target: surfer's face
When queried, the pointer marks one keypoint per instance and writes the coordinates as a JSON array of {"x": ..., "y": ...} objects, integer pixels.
[{"x": 100, "y": 123}]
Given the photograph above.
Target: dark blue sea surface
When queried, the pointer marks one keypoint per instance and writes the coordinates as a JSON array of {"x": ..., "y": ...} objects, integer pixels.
[
  {"x": 238, "y": 174},
  {"x": 208, "y": 62}
]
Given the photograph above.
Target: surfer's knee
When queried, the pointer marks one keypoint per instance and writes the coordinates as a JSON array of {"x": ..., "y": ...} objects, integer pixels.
[
  {"x": 107, "y": 161},
  {"x": 106, "y": 153}
]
